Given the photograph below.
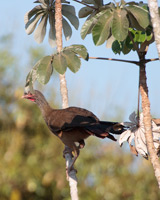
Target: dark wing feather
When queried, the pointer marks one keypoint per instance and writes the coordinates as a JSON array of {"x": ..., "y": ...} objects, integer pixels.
[{"x": 70, "y": 118}]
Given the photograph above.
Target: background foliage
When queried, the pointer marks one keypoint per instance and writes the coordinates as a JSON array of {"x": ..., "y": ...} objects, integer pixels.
[{"x": 32, "y": 166}]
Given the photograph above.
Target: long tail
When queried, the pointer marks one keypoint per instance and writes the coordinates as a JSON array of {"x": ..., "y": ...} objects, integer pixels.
[
  {"x": 104, "y": 128},
  {"x": 112, "y": 127}
]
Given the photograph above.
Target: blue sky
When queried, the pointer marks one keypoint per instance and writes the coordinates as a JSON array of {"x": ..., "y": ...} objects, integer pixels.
[{"x": 104, "y": 87}]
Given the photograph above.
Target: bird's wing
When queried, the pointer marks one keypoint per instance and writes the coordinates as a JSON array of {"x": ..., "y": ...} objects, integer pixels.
[{"x": 70, "y": 118}]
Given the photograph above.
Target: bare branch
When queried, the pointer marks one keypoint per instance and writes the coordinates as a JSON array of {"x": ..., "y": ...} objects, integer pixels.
[
  {"x": 155, "y": 19},
  {"x": 112, "y": 59},
  {"x": 127, "y": 61},
  {"x": 71, "y": 176},
  {"x": 147, "y": 122}
]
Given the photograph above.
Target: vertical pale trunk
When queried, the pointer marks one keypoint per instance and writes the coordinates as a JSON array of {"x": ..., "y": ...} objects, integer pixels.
[
  {"x": 147, "y": 122},
  {"x": 64, "y": 93},
  {"x": 153, "y": 8}
]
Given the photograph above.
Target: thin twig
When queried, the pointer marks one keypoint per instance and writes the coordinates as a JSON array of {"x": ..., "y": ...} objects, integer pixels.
[
  {"x": 152, "y": 59},
  {"x": 112, "y": 59},
  {"x": 127, "y": 61},
  {"x": 86, "y": 4}
]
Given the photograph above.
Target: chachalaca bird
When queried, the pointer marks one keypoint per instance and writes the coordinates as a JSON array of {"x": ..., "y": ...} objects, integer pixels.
[{"x": 73, "y": 124}]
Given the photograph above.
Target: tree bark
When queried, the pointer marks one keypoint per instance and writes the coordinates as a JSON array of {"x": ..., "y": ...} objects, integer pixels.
[
  {"x": 64, "y": 93},
  {"x": 155, "y": 19},
  {"x": 147, "y": 122}
]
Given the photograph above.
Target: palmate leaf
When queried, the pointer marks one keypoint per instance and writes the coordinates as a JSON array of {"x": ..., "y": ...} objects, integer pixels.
[
  {"x": 120, "y": 24},
  {"x": 42, "y": 13},
  {"x": 101, "y": 30},
  {"x": 141, "y": 15},
  {"x": 68, "y": 58},
  {"x": 73, "y": 62},
  {"x": 41, "y": 71},
  {"x": 123, "y": 16}
]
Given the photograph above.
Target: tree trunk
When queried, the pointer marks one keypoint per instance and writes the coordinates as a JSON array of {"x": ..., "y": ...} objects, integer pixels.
[
  {"x": 153, "y": 8},
  {"x": 147, "y": 122},
  {"x": 64, "y": 93}
]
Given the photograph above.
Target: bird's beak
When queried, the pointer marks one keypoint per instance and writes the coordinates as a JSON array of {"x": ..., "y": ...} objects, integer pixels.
[{"x": 29, "y": 96}]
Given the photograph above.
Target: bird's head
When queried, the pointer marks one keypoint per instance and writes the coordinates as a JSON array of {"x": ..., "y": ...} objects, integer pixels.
[{"x": 36, "y": 97}]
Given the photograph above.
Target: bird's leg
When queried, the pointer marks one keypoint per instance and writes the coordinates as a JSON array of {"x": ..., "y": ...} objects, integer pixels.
[
  {"x": 67, "y": 150},
  {"x": 69, "y": 168},
  {"x": 76, "y": 154}
]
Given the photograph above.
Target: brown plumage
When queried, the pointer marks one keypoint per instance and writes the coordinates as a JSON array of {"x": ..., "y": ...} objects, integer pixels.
[{"x": 73, "y": 124}]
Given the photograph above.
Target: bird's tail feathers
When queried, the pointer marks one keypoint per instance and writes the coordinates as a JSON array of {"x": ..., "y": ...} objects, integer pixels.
[{"x": 112, "y": 127}]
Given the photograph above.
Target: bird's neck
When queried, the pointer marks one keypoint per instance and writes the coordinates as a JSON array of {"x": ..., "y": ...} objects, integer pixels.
[{"x": 45, "y": 109}]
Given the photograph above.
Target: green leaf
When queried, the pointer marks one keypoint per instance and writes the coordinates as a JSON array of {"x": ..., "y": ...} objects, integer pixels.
[
  {"x": 40, "y": 31},
  {"x": 44, "y": 2},
  {"x": 141, "y": 15},
  {"x": 89, "y": 1},
  {"x": 120, "y": 24},
  {"x": 31, "y": 25},
  {"x": 134, "y": 23},
  {"x": 44, "y": 69},
  {"x": 29, "y": 82},
  {"x": 69, "y": 8},
  {"x": 140, "y": 36},
  {"x": 99, "y": 2},
  {"x": 66, "y": 29},
  {"x": 32, "y": 12},
  {"x": 72, "y": 18},
  {"x": 31, "y": 78},
  {"x": 52, "y": 30},
  {"x": 78, "y": 49},
  {"x": 127, "y": 45},
  {"x": 89, "y": 24},
  {"x": 116, "y": 47},
  {"x": 84, "y": 12},
  {"x": 59, "y": 63},
  {"x": 73, "y": 62},
  {"x": 101, "y": 30}
]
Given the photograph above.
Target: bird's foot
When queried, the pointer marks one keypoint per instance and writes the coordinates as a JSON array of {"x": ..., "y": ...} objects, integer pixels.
[{"x": 69, "y": 170}]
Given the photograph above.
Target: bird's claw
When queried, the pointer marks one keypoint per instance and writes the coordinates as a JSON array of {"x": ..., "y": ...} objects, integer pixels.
[{"x": 69, "y": 170}]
